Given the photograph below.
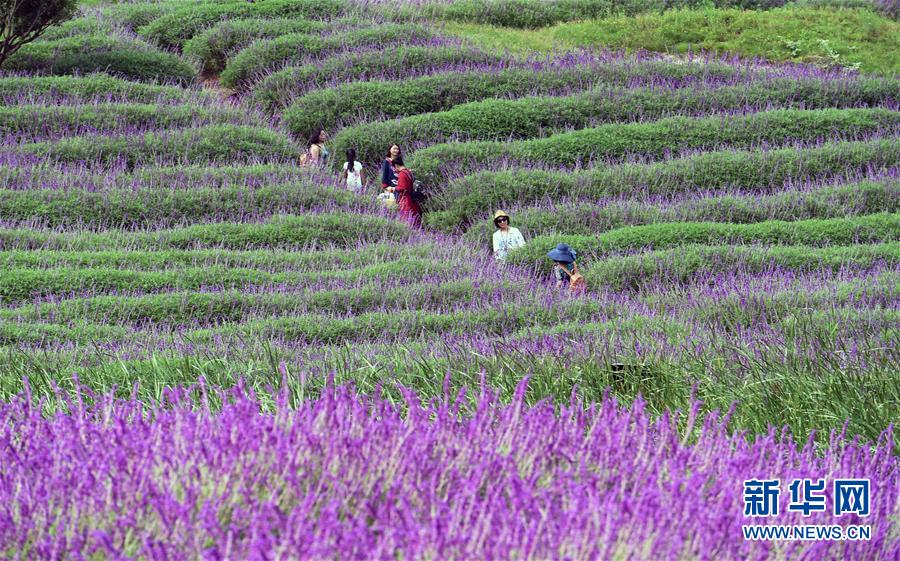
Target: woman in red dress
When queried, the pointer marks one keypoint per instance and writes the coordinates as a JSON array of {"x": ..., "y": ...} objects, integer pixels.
[{"x": 409, "y": 208}]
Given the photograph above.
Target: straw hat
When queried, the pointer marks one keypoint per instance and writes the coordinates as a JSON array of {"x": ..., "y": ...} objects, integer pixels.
[{"x": 498, "y": 214}]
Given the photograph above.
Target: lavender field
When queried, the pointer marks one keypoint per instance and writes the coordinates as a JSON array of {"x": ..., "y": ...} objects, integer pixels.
[{"x": 210, "y": 352}]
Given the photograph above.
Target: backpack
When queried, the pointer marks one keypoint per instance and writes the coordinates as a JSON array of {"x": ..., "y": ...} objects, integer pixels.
[
  {"x": 418, "y": 190},
  {"x": 576, "y": 281}
]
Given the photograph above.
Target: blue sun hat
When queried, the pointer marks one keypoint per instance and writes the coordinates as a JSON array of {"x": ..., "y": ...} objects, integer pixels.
[{"x": 563, "y": 253}]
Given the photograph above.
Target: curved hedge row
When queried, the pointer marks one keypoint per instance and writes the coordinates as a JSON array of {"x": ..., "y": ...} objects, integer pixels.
[
  {"x": 110, "y": 54},
  {"x": 326, "y": 328},
  {"x": 533, "y": 14},
  {"x": 20, "y": 89},
  {"x": 338, "y": 259},
  {"x": 686, "y": 264},
  {"x": 473, "y": 195},
  {"x": 136, "y": 14},
  {"x": 127, "y": 208},
  {"x": 215, "y": 143},
  {"x": 23, "y": 285},
  {"x": 277, "y": 89},
  {"x": 327, "y": 228},
  {"x": 375, "y": 100},
  {"x": 586, "y": 218},
  {"x": 255, "y": 60},
  {"x": 533, "y": 117},
  {"x": 433, "y": 165},
  {"x": 77, "y": 26},
  {"x": 212, "y": 47},
  {"x": 177, "y": 26},
  {"x": 206, "y": 308},
  {"x": 54, "y": 120},
  {"x": 874, "y": 228}
]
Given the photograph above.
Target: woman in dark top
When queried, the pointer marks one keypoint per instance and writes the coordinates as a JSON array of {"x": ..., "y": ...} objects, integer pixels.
[
  {"x": 409, "y": 208},
  {"x": 388, "y": 175}
]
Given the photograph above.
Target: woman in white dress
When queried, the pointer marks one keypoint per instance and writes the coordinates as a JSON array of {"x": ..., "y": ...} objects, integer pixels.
[{"x": 353, "y": 173}]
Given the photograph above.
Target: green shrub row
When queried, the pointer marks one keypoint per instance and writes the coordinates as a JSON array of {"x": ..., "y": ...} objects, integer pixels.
[
  {"x": 279, "y": 88},
  {"x": 529, "y": 14},
  {"x": 23, "y": 285},
  {"x": 178, "y": 26},
  {"x": 874, "y": 228},
  {"x": 254, "y": 61},
  {"x": 14, "y": 89},
  {"x": 654, "y": 139},
  {"x": 207, "y": 308},
  {"x": 531, "y": 117},
  {"x": 212, "y": 47},
  {"x": 586, "y": 218},
  {"x": 214, "y": 143},
  {"x": 137, "y": 14},
  {"x": 55, "y": 120},
  {"x": 168, "y": 178},
  {"x": 101, "y": 53},
  {"x": 533, "y": 14},
  {"x": 85, "y": 25},
  {"x": 384, "y": 99},
  {"x": 686, "y": 264},
  {"x": 473, "y": 195},
  {"x": 324, "y": 328},
  {"x": 170, "y": 259},
  {"x": 331, "y": 228},
  {"x": 146, "y": 207}
]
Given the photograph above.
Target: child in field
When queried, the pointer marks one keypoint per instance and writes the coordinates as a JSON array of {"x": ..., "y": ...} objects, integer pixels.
[{"x": 566, "y": 271}]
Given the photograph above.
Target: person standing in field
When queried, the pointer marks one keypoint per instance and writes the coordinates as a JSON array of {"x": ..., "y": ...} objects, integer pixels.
[
  {"x": 388, "y": 175},
  {"x": 408, "y": 207},
  {"x": 506, "y": 237},
  {"x": 353, "y": 173},
  {"x": 316, "y": 152}
]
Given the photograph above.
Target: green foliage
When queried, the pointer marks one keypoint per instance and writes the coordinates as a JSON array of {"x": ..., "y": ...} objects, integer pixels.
[
  {"x": 827, "y": 37},
  {"x": 214, "y": 143},
  {"x": 653, "y": 139},
  {"x": 279, "y": 88},
  {"x": 79, "y": 26},
  {"x": 210, "y": 308},
  {"x": 530, "y": 117},
  {"x": 87, "y": 88},
  {"x": 473, "y": 195},
  {"x": 683, "y": 265},
  {"x": 266, "y": 54},
  {"x": 178, "y": 26},
  {"x": 381, "y": 99},
  {"x": 586, "y": 218},
  {"x": 23, "y": 284},
  {"x": 50, "y": 120},
  {"x": 152, "y": 206},
  {"x": 212, "y": 47},
  {"x": 874, "y": 228},
  {"x": 324, "y": 261},
  {"x": 23, "y": 21},
  {"x": 528, "y": 14},
  {"x": 95, "y": 53},
  {"x": 306, "y": 230}
]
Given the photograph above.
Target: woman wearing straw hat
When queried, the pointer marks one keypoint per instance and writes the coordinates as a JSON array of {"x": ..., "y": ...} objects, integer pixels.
[{"x": 506, "y": 237}]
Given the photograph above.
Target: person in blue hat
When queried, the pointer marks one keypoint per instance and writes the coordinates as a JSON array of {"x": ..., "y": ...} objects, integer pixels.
[{"x": 566, "y": 271}]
